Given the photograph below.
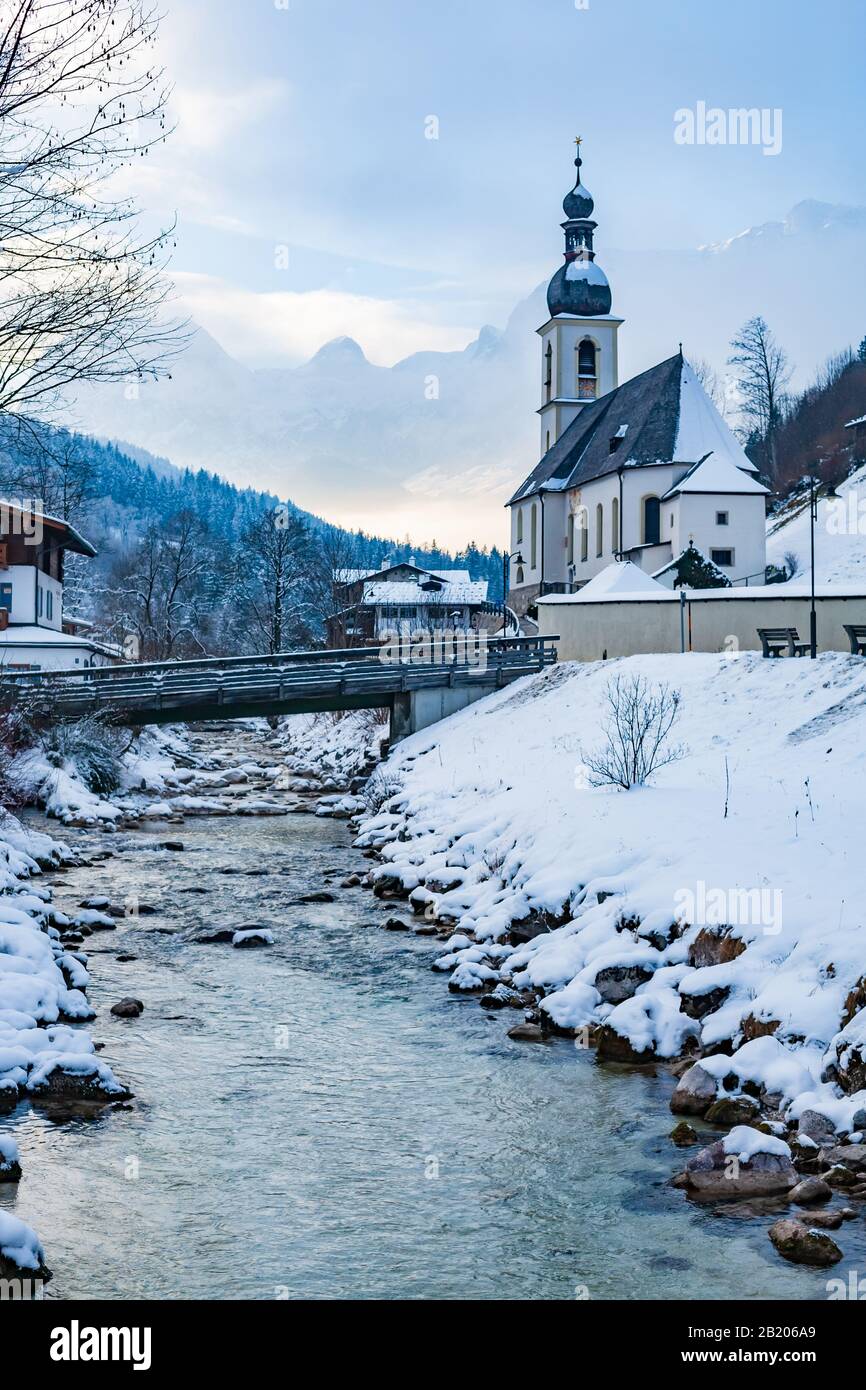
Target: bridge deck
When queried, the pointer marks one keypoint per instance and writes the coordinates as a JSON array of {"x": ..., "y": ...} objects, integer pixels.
[{"x": 239, "y": 687}]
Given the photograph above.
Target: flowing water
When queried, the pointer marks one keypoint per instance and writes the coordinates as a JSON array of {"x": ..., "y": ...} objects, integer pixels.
[{"x": 323, "y": 1119}]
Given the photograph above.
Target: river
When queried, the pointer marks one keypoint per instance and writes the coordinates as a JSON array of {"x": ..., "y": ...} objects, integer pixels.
[{"x": 322, "y": 1118}]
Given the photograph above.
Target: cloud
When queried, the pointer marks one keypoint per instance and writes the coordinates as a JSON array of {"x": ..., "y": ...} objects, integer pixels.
[
  {"x": 210, "y": 117},
  {"x": 287, "y": 327}
]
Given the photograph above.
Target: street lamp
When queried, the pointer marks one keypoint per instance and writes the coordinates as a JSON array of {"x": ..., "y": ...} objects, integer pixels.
[{"x": 506, "y": 561}]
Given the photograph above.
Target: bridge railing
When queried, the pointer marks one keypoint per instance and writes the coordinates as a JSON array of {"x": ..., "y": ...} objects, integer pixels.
[
  {"x": 500, "y": 648},
  {"x": 363, "y": 667}
]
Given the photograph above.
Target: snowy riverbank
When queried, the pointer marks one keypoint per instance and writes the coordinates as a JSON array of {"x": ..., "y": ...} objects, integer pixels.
[
  {"x": 164, "y": 776},
  {"x": 714, "y": 914}
]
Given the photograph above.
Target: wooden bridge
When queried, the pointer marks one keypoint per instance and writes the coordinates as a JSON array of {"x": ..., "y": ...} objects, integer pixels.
[{"x": 417, "y": 692}]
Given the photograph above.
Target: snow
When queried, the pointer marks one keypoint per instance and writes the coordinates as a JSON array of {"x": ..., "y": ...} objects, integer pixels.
[
  {"x": 620, "y": 577},
  {"x": 745, "y": 1142},
  {"x": 19, "y": 1243},
  {"x": 840, "y": 538},
  {"x": 717, "y": 474},
  {"x": 494, "y": 806},
  {"x": 701, "y": 428},
  {"x": 585, "y": 270},
  {"x": 41, "y": 988}
]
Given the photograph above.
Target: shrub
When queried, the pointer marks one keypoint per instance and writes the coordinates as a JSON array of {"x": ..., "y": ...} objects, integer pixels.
[
  {"x": 92, "y": 747},
  {"x": 637, "y": 729}
]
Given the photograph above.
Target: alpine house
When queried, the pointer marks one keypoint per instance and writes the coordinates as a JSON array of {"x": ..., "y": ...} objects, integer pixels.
[{"x": 638, "y": 471}]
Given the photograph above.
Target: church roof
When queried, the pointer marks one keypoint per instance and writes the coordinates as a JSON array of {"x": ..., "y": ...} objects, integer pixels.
[{"x": 661, "y": 416}]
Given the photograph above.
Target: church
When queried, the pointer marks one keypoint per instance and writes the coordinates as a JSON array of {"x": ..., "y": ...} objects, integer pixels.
[{"x": 640, "y": 471}]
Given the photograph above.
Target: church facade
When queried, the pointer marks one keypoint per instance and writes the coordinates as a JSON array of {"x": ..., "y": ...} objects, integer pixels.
[{"x": 639, "y": 471}]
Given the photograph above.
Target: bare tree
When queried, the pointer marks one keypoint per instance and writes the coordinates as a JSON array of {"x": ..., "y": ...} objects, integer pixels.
[
  {"x": 709, "y": 379},
  {"x": 637, "y": 729},
  {"x": 274, "y": 563},
  {"x": 155, "y": 592},
  {"x": 52, "y": 467},
  {"x": 764, "y": 374},
  {"x": 82, "y": 296},
  {"x": 334, "y": 557}
]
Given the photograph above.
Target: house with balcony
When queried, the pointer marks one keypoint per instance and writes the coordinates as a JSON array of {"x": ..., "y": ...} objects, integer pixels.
[
  {"x": 404, "y": 598},
  {"x": 35, "y": 633}
]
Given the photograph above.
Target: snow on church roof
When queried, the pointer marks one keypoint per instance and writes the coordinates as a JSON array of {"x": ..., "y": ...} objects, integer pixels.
[
  {"x": 701, "y": 429},
  {"x": 716, "y": 474},
  {"x": 669, "y": 419}
]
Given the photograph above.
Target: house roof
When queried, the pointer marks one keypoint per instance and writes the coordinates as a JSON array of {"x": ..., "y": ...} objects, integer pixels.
[
  {"x": 393, "y": 591},
  {"x": 620, "y": 577},
  {"x": 73, "y": 539},
  {"x": 29, "y": 635},
  {"x": 668, "y": 418},
  {"x": 715, "y": 474}
]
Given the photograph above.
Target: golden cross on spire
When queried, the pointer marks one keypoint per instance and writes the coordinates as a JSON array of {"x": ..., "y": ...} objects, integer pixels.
[{"x": 579, "y": 140}]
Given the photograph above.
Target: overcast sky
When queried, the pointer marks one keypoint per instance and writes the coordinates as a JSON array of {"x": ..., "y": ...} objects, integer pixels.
[{"x": 312, "y": 204}]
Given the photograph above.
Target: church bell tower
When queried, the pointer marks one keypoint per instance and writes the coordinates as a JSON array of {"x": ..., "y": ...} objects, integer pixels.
[{"x": 579, "y": 340}]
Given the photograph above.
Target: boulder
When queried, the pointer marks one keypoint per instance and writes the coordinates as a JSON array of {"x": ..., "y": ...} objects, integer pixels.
[
  {"x": 812, "y": 1189},
  {"x": 527, "y": 1032},
  {"x": 733, "y": 1110},
  {"x": 127, "y": 1008},
  {"x": 318, "y": 897},
  {"x": 840, "y": 1176},
  {"x": 816, "y": 1126},
  {"x": 613, "y": 1047},
  {"x": 618, "y": 982},
  {"x": 712, "y": 1173},
  {"x": 823, "y": 1220},
  {"x": 683, "y": 1135},
  {"x": 214, "y": 938},
  {"x": 714, "y": 946},
  {"x": 700, "y": 1005},
  {"x": 351, "y": 881},
  {"x": 397, "y": 924},
  {"x": 797, "y": 1243},
  {"x": 695, "y": 1092},
  {"x": 853, "y": 1156},
  {"x": 251, "y": 937}
]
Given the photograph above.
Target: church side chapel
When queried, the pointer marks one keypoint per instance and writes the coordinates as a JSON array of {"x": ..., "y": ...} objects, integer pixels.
[{"x": 646, "y": 471}]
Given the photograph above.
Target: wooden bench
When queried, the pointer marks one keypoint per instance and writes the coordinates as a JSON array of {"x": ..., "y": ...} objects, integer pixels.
[
  {"x": 777, "y": 641},
  {"x": 857, "y": 637}
]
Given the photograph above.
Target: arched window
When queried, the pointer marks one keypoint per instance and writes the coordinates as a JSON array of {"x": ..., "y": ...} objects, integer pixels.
[
  {"x": 570, "y": 538},
  {"x": 651, "y": 520},
  {"x": 519, "y": 534},
  {"x": 599, "y": 529},
  {"x": 587, "y": 371},
  {"x": 548, "y": 371},
  {"x": 533, "y": 537},
  {"x": 520, "y": 574},
  {"x": 614, "y": 525},
  {"x": 547, "y": 441},
  {"x": 584, "y": 534}
]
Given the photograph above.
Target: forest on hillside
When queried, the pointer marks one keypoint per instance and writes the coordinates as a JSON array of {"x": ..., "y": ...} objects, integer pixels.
[{"x": 189, "y": 563}]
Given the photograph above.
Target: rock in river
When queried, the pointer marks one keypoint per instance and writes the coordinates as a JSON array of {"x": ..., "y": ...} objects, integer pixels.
[
  {"x": 252, "y": 936},
  {"x": 695, "y": 1092},
  {"x": 796, "y": 1242},
  {"x": 128, "y": 1008},
  {"x": 744, "y": 1164}
]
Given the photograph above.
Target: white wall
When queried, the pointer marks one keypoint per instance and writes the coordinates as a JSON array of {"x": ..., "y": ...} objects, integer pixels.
[
  {"x": 26, "y": 581},
  {"x": 51, "y": 657},
  {"x": 745, "y": 534},
  {"x": 715, "y": 622}
]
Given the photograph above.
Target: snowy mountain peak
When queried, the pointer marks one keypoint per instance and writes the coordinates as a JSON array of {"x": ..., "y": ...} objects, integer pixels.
[{"x": 338, "y": 352}]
